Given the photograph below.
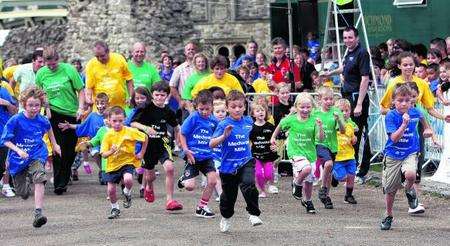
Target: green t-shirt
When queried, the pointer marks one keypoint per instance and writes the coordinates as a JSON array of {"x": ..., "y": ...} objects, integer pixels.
[
  {"x": 96, "y": 141},
  {"x": 146, "y": 75},
  {"x": 329, "y": 127},
  {"x": 301, "y": 138},
  {"x": 61, "y": 87},
  {"x": 191, "y": 81}
]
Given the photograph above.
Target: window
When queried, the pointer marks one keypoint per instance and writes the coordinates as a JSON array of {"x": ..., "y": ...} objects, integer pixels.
[{"x": 410, "y": 3}]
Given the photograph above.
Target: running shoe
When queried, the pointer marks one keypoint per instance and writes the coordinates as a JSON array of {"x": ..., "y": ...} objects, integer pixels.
[
  {"x": 386, "y": 223},
  {"x": 225, "y": 225},
  {"x": 8, "y": 191},
  {"x": 204, "y": 212},
  {"x": 149, "y": 195},
  {"x": 297, "y": 191},
  {"x": 39, "y": 220},
  {"x": 255, "y": 220},
  {"x": 173, "y": 205},
  {"x": 350, "y": 199},
  {"x": 115, "y": 213}
]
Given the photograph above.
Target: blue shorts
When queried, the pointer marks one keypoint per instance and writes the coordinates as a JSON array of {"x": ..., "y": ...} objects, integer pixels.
[
  {"x": 116, "y": 176},
  {"x": 343, "y": 168},
  {"x": 325, "y": 153}
]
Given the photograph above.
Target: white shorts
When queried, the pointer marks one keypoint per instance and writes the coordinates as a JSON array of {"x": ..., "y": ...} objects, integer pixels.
[{"x": 299, "y": 163}]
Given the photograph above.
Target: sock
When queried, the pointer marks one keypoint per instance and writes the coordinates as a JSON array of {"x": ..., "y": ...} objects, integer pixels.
[
  {"x": 127, "y": 191},
  {"x": 349, "y": 191},
  {"x": 203, "y": 203},
  {"x": 115, "y": 205}
]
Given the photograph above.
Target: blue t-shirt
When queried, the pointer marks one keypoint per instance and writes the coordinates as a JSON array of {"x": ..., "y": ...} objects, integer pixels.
[
  {"x": 130, "y": 116},
  {"x": 409, "y": 142},
  {"x": 313, "y": 48},
  {"x": 4, "y": 114},
  {"x": 236, "y": 148},
  {"x": 90, "y": 126},
  {"x": 198, "y": 132},
  {"x": 434, "y": 85},
  {"x": 26, "y": 134}
]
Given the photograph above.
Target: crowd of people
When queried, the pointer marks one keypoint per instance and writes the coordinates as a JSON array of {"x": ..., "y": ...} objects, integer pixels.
[{"x": 237, "y": 124}]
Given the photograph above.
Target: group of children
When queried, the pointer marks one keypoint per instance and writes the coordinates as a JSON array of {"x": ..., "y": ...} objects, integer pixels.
[{"x": 232, "y": 149}]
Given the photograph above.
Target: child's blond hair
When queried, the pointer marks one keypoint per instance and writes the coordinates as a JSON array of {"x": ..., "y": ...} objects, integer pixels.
[
  {"x": 304, "y": 97},
  {"x": 256, "y": 105},
  {"x": 33, "y": 92},
  {"x": 323, "y": 91},
  {"x": 342, "y": 102}
]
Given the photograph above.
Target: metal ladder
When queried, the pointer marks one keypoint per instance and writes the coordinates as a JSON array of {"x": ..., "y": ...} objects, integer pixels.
[{"x": 332, "y": 38}]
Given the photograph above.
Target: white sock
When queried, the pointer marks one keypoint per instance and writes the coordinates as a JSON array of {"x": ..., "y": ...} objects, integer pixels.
[
  {"x": 115, "y": 205},
  {"x": 127, "y": 191}
]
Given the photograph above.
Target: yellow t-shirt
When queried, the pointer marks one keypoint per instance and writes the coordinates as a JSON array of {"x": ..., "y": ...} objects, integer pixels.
[
  {"x": 109, "y": 78},
  {"x": 425, "y": 98},
  {"x": 8, "y": 72},
  {"x": 228, "y": 82},
  {"x": 125, "y": 140},
  {"x": 345, "y": 147},
  {"x": 8, "y": 87},
  {"x": 260, "y": 86}
]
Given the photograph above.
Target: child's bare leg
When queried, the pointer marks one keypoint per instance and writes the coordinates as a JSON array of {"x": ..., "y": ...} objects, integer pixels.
[
  {"x": 169, "y": 169},
  {"x": 39, "y": 189}
]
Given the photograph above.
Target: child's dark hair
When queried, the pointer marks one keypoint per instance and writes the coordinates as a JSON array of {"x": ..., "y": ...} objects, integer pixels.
[
  {"x": 102, "y": 96},
  {"x": 140, "y": 90},
  {"x": 436, "y": 53},
  {"x": 204, "y": 97},
  {"x": 278, "y": 41},
  {"x": 161, "y": 86},
  {"x": 422, "y": 65},
  {"x": 235, "y": 95},
  {"x": 433, "y": 66},
  {"x": 116, "y": 110},
  {"x": 218, "y": 61},
  {"x": 413, "y": 86},
  {"x": 217, "y": 93},
  {"x": 401, "y": 90},
  {"x": 33, "y": 92},
  {"x": 404, "y": 55}
]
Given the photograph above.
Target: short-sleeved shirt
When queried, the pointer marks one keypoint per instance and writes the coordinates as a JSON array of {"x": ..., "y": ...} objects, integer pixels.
[
  {"x": 260, "y": 85},
  {"x": 198, "y": 132},
  {"x": 235, "y": 149},
  {"x": 191, "y": 81},
  {"x": 5, "y": 115},
  {"x": 301, "y": 138},
  {"x": 228, "y": 82},
  {"x": 90, "y": 126},
  {"x": 125, "y": 140},
  {"x": 260, "y": 138},
  {"x": 409, "y": 142},
  {"x": 279, "y": 72},
  {"x": 329, "y": 127},
  {"x": 425, "y": 97},
  {"x": 8, "y": 73},
  {"x": 96, "y": 142},
  {"x": 61, "y": 87},
  {"x": 180, "y": 75},
  {"x": 345, "y": 147},
  {"x": 27, "y": 134},
  {"x": 356, "y": 64},
  {"x": 145, "y": 75},
  {"x": 25, "y": 77},
  {"x": 109, "y": 78},
  {"x": 158, "y": 119},
  {"x": 6, "y": 85}
]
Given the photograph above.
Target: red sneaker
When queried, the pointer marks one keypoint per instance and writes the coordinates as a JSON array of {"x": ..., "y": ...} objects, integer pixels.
[
  {"x": 149, "y": 195},
  {"x": 173, "y": 205}
]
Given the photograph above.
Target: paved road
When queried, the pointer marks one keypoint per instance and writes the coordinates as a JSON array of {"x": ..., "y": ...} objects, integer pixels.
[{"x": 79, "y": 218}]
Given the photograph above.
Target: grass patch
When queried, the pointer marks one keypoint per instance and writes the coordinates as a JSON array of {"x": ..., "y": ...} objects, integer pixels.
[{"x": 376, "y": 167}]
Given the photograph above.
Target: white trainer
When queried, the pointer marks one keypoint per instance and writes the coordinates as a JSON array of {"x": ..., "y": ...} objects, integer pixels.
[
  {"x": 225, "y": 225},
  {"x": 255, "y": 220},
  {"x": 7, "y": 191},
  {"x": 418, "y": 210},
  {"x": 273, "y": 189}
]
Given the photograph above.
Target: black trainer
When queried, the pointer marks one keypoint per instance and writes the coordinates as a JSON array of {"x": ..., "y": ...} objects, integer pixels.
[
  {"x": 180, "y": 183},
  {"x": 309, "y": 207},
  {"x": 334, "y": 181},
  {"x": 204, "y": 212},
  {"x": 127, "y": 201},
  {"x": 386, "y": 223},
  {"x": 297, "y": 191},
  {"x": 328, "y": 204},
  {"x": 115, "y": 213},
  {"x": 39, "y": 220},
  {"x": 323, "y": 194},
  {"x": 411, "y": 195},
  {"x": 350, "y": 199},
  {"x": 75, "y": 177},
  {"x": 141, "y": 193}
]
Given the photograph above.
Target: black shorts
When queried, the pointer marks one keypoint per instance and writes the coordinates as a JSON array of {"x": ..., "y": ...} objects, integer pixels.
[
  {"x": 192, "y": 171},
  {"x": 116, "y": 176},
  {"x": 152, "y": 157},
  {"x": 325, "y": 153}
]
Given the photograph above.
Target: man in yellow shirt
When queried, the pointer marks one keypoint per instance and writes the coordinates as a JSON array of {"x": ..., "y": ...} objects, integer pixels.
[
  {"x": 108, "y": 72},
  {"x": 118, "y": 147},
  {"x": 219, "y": 78}
]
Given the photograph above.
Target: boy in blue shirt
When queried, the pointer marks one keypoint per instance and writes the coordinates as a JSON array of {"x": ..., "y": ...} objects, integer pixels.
[
  {"x": 196, "y": 132},
  {"x": 23, "y": 135},
  {"x": 401, "y": 152},
  {"x": 238, "y": 166}
]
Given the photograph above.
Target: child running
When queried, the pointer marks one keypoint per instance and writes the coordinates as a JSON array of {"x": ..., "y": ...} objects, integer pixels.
[
  {"x": 238, "y": 167},
  {"x": 196, "y": 133},
  {"x": 327, "y": 148},
  {"x": 263, "y": 152},
  {"x": 344, "y": 168},
  {"x": 153, "y": 120},
  {"x": 401, "y": 152},
  {"x": 118, "y": 148},
  {"x": 23, "y": 135},
  {"x": 220, "y": 112},
  {"x": 303, "y": 131}
]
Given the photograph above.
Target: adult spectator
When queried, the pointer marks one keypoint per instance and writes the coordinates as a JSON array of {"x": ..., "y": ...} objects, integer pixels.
[
  {"x": 64, "y": 88},
  {"x": 144, "y": 73},
  {"x": 25, "y": 74},
  {"x": 356, "y": 72},
  {"x": 166, "y": 68},
  {"x": 108, "y": 72},
  {"x": 201, "y": 71},
  {"x": 440, "y": 44},
  {"x": 252, "y": 49},
  {"x": 302, "y": 73},
  {"x": 77, "y": 64},
  {"x": 279, "y": 66}
]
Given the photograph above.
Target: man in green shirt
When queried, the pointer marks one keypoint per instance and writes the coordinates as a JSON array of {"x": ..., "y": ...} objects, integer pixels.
[{"x": 144, "y": 73}]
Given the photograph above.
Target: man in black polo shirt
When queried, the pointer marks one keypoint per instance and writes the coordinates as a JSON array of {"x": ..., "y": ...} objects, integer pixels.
[{"x": 356, "y": 72}]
